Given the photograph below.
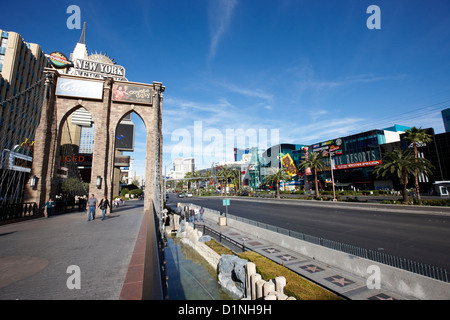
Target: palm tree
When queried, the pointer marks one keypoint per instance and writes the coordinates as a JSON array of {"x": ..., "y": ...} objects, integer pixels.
[
  {"x": 189, "y": 175},
  {"x": 235, "y": 176},
  {"x": 315, "y": 162},
  {"x": 417, "y": 135},
  {"x": 403, "y": 164},
  {"x": 197, "y": 175},
  {"x": 276, "y": 176},
  {"x": 225, "y": 173}
]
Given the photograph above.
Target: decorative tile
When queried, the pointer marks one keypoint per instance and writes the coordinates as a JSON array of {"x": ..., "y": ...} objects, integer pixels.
[
  {"x": 271, "y": 250},
  {"x": 311, "y": 268},
  {"x": 254, "y": 243},
  {"x": 234, "y": 234},
  {"x": 339, "y": 281},
  {"x": 287, "y": 257},
  {"x": 381, "y": 296}
]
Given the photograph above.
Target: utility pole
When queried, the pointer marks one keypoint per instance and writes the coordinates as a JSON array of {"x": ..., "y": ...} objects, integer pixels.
[{"x": 332, "y": 175}]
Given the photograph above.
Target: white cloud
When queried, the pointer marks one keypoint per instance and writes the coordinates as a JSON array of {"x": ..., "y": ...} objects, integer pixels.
[
  {"x": 254, "y": 93},
  {"x": 220, "y": 12}
]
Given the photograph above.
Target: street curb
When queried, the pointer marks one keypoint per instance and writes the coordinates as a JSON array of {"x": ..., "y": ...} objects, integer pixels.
[{"x": 435, "y": 210}]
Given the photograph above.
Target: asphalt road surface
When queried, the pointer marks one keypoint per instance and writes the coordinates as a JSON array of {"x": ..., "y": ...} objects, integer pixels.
[{"x": 415, "y": 235}]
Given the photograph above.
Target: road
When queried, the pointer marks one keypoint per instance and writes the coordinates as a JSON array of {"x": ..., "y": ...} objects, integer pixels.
[{"x": 419, "y": 236}]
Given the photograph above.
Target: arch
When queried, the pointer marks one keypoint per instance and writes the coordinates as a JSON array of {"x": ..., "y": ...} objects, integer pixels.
[
  {"x": 106, "y": 114},
  {"x": 124, "y": 147}
]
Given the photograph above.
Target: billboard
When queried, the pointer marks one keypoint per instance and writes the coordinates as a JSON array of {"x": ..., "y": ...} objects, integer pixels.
[
  {"x": 132, "y": 93},
  {"x": 125, "y": 137},
  {"x": 335, "y": 146},
  {"x": 289, "y": 165},
  {"x": 79, "y": 88}
]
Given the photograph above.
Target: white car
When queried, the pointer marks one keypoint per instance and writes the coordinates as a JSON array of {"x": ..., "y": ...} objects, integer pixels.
[{"x": 188, "y": 194}]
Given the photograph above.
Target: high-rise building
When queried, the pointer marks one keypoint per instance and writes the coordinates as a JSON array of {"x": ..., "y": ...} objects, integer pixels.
[
  {"x": 446, "y": 118},
  {"x": 181, "y": 166},
  {"x": 21, "y": 95},
  {"x": 21, "y": 71}
]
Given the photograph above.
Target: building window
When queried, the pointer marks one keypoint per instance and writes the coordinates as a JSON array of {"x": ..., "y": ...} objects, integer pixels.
[{"x": 87, "y": 139}]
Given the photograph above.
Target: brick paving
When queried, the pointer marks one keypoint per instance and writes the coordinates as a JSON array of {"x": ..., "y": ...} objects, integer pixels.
[{"x": 35, "y": 256}]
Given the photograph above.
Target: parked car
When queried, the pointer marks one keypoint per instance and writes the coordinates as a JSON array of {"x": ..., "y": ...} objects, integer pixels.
[
  {"x": 180, "y": 195},
  {"x": 188, "y": 194}
]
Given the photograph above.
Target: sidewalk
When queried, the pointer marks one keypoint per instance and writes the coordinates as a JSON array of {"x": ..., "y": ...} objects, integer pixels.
[
  {"x": 35, "y": 255},
  {"x": 338, "y": 281}
]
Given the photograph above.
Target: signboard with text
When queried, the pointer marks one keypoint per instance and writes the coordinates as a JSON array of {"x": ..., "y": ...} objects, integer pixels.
[
  {"x": 335, "y": 146},
  {"x": 289, "y": 165},
  {"x": 122, "y": 161},
  {"x": 98, "y": 70},
  {"x": 132, "y": 93},
  {"x": 355, "y": 160}
]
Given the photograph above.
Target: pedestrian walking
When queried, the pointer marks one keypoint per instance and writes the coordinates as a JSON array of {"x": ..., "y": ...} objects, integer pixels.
[
  {"x": 202, "y": 211},
  {"x": 90, "y": 206},
  {"x": 196, "y": 214},
  {"x": 186, "y": 213},
  {"x": 49, "y": 206},
  {"x": 104, "y": 204}
]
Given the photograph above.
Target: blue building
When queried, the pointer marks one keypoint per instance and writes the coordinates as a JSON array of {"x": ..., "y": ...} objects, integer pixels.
[{"x": 446, "y": 118}]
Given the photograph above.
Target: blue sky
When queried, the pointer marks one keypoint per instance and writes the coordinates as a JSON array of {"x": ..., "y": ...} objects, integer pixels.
[{"x": 310, "y": 69}]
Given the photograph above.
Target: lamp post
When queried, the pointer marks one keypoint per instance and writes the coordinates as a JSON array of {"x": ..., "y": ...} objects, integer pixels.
[
  {"x": 332, "y": 175},
  {"x": 165, "y": 179},
  {"x": 33, "y": 181}
]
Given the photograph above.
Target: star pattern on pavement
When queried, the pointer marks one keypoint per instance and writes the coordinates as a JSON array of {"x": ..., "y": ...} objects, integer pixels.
[
  {"x": 271, "y": 250},
  {"x": 287, "y": 257},
  {"x": 381, "y": 296},
  {"x": 340, "y": 281},
  {"x": 312, "y": 268}
]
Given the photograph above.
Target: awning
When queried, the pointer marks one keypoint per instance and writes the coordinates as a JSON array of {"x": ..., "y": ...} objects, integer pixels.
[{"x": 343, "y": 184}]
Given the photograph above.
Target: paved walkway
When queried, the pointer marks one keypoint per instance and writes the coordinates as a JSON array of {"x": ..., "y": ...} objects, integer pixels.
[
  {"x": 346, "y": 285},
  {"x": 36, "y": 255}
]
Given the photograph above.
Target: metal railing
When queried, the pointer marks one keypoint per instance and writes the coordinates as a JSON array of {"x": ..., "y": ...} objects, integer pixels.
[
  {"x": 380, "y": 257},
  {"x": 401, "y": 263},
  {"x": 11, "y": 211}
]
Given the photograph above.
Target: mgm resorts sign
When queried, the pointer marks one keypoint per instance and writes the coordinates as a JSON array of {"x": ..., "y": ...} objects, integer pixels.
[{"x": 98, "y": 70}]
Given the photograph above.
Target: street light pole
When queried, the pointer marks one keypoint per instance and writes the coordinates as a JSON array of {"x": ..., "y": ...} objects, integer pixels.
[{"x": 332, "y": 177}]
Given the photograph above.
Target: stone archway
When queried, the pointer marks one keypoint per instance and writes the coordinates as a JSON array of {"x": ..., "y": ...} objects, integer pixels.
[{"x": 65, "y": 93}]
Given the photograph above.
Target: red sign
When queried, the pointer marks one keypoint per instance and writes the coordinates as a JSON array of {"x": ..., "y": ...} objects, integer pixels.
[
  {"x": 59, "y": 60},
  {"x": 358, "y": 165},
  {"x": 122, "y": 161}
]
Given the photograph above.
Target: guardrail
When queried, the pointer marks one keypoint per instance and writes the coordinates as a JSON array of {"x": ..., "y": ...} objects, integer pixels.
[
  {"x": 380, "y": 257},
  {"x": 11, "y": 211}
]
